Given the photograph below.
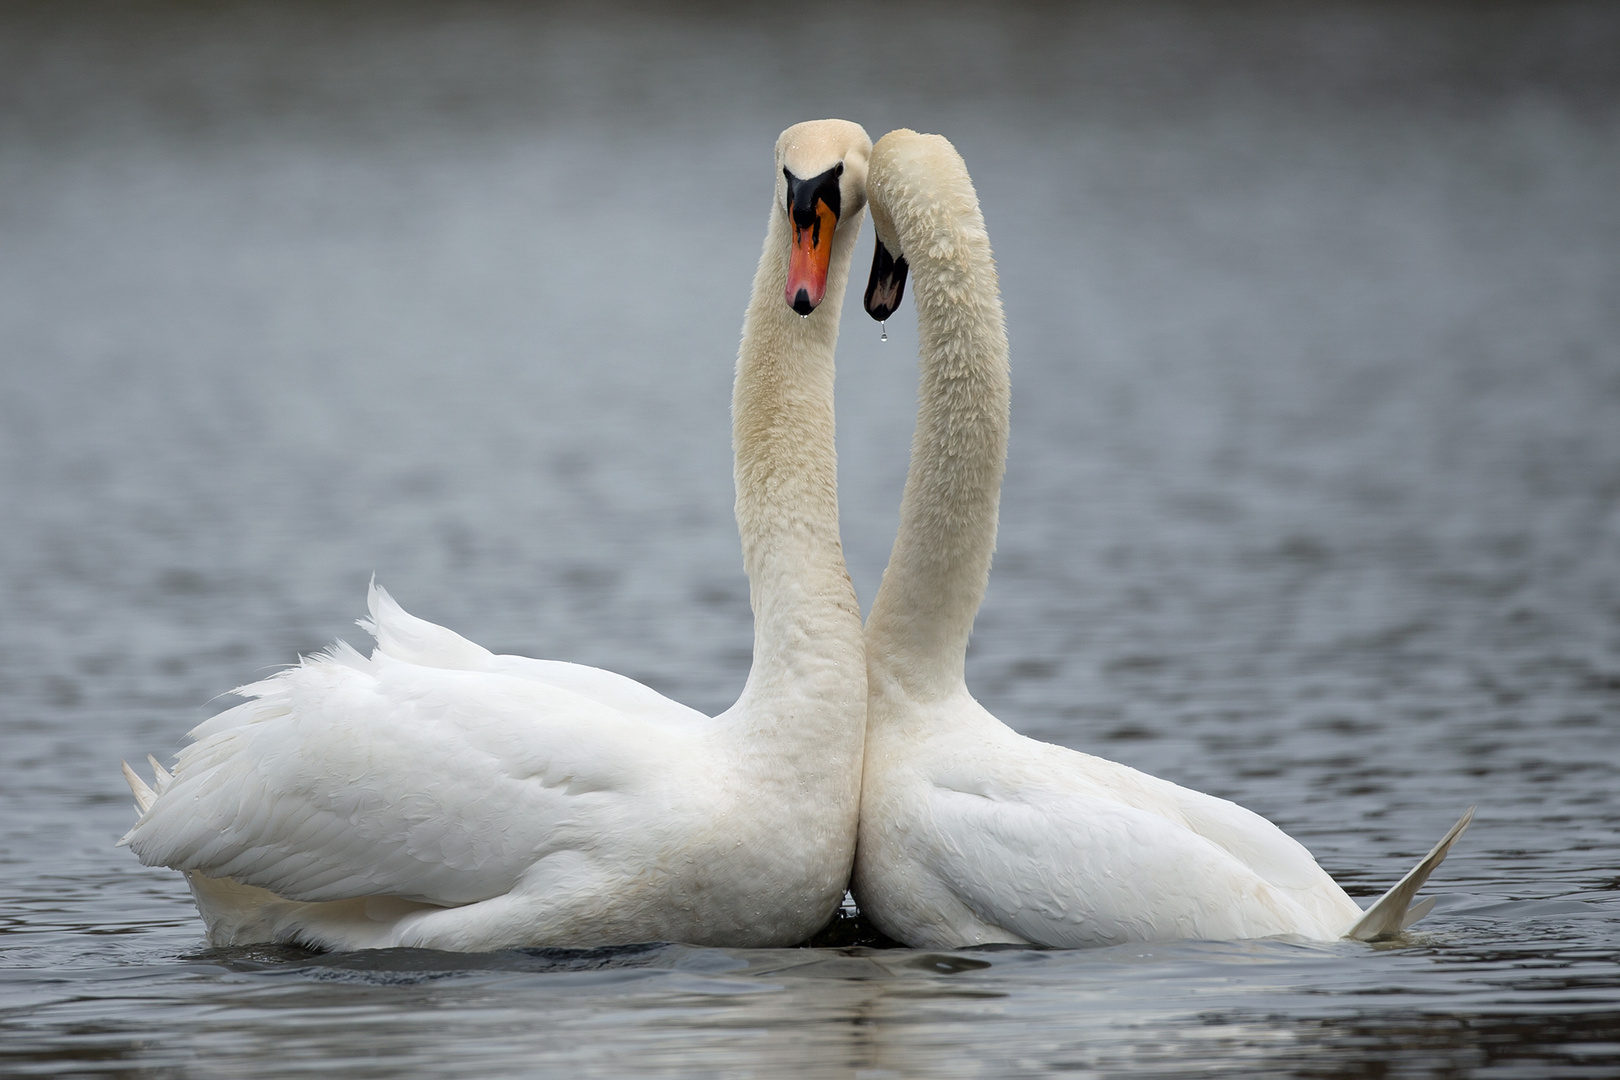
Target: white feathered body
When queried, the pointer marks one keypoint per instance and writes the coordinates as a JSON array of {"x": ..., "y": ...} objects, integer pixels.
[
  {"x": 434, "y": 794},
  {"x": 470, "y": 800},
  {"x": 971, "y": 833}
]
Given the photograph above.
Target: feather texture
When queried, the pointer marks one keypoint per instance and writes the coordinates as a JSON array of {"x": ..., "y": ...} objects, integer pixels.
[
  {"x": 971, "y": 833},
  {"x": 435, "y": 794}
]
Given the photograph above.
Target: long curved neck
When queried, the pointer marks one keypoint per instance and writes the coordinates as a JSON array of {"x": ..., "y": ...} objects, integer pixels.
[
  {"x": 918, "y": 630},
  {"x": 807, "y": 670}
]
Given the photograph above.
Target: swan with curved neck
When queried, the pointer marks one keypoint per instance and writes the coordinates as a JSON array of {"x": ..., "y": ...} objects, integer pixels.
[
  {"x": 971, "y": 833},
  {"x": 437, "y": 795}
]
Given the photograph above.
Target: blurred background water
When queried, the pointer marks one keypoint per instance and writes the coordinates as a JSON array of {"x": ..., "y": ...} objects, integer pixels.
[{"x": 1314, "y": 498}]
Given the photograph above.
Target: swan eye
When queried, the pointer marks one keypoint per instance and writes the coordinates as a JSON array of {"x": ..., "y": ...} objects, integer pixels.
[{"x": 838, "y": 170}]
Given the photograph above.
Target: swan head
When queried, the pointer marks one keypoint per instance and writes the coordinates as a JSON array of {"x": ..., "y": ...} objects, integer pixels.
[
  {"x": 887, "y": 284},
  {"x": 909, "y": 154},
  {"x": 820, "y": 181}
]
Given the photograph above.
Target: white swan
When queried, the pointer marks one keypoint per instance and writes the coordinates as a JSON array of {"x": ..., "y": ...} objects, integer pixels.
[
  {"x": 969, "y": 832},
  {"x": 437, "y": 795}
]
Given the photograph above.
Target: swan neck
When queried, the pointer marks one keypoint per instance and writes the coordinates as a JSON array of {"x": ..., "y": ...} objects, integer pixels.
[
  {"x": 918, "y": 630},
  {"x": 807, "y": 631}
]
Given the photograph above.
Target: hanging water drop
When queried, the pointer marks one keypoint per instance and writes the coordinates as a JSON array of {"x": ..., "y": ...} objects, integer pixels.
[{"x": 883, "y": 330}]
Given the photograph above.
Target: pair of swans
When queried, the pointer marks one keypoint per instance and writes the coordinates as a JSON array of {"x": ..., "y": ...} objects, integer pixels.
[{"x": 437, "y": 795}]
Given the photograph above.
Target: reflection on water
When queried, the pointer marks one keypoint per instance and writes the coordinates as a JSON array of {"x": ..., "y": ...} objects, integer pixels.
[
  {"x": 1267, "y": 1008},
  {"x": 1314, "y": 499}
]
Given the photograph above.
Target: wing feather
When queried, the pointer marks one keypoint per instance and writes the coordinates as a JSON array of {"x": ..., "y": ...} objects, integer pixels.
[
  {"x": 387, "y": 777},
  {"x": 1073, "y": 870},
  {"x": 1266, "y": 850}
]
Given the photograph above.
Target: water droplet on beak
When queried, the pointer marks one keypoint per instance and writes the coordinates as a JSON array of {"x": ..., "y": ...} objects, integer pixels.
[{"x": 883, "y": 330}]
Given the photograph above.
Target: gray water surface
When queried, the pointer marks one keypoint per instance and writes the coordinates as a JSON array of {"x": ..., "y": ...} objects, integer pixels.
[{"x": 1314, "y": 497}]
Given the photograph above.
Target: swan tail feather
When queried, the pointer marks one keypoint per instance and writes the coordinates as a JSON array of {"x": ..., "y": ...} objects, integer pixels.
[
  {"x": 1417, "y": 911},
  {"x": 144, "y": 795},
  {"x": 1395, "y": 911},
  {"x": 231, "y": 911},
  {"x": 163, "y": 776}
]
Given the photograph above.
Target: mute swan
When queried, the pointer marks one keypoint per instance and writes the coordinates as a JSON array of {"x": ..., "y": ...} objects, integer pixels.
[
  {"x": 969, "y": 832},
  {"x": 439, "y": 796}
]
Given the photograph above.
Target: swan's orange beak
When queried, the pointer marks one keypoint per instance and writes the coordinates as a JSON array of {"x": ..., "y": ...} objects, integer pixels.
[
  {"x": 812, "y": 210},
  {"x": 812, "y": 251}
]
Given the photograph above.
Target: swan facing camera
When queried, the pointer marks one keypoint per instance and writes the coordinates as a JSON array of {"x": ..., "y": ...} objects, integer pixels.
[{"x": 812, "y": 209}]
